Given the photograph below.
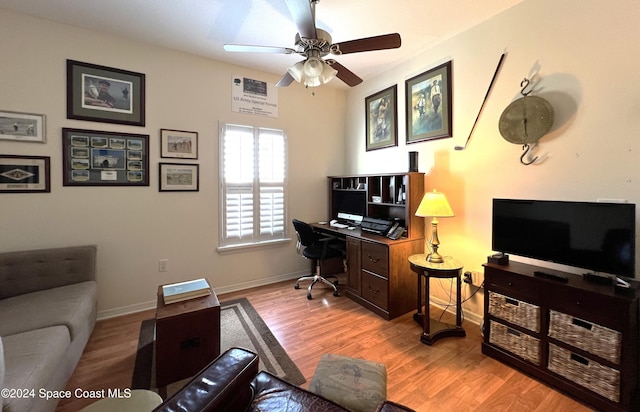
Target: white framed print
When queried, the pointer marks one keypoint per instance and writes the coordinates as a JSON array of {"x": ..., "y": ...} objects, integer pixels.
[
  {"x": 176, "y": 177},
  {"x": 22, "y": 127},
  {"x": 179, "y": 144}
]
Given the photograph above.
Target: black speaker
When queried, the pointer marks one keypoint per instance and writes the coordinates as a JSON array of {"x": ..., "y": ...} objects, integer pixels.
[
  {"x": 498, "y": 259},
  {"x": 413, "y": 161}
]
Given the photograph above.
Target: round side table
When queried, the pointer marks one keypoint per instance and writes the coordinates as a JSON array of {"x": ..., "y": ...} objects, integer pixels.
[{"x": 433, "y": 329}]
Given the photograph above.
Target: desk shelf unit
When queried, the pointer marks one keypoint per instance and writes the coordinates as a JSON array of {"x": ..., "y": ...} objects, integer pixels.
[
  {"x": 399, "y": 193},
  {"x": 378, "y": 275},
  {"x": 578, "y": 336}
]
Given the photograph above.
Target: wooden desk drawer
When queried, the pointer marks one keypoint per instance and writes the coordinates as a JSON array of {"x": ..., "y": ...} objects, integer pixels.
[
  {"x": 512, "y": 285},
  {"x": 375, "y": 289},
  {"x": 375, "y": 258}
]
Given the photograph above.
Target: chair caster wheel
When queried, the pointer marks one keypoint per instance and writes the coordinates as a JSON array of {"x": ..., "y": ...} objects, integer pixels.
[
  {"x": 309, "y": 296},
  {"x": 296, "y": 286}
]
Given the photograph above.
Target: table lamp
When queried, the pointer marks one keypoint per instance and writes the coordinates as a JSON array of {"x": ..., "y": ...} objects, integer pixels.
[{"x": 435, "y": 205}]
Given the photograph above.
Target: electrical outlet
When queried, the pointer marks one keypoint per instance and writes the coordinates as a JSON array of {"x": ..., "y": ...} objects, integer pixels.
[
  {"x": 477, "y": 278},
  {"x": 467, "y": 278},
  {"x": 163, "y": 265}
]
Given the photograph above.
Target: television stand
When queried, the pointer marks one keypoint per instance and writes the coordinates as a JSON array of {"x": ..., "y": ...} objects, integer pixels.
[{"x": 579, "y": 336}]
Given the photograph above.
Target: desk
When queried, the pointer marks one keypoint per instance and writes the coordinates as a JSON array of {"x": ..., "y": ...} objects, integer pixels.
[
  {"x": 432, "y": 329},
  {"x": 378, "y": 277}
]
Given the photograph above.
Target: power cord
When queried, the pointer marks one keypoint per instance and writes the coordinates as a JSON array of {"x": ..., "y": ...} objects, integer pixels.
[{"x": 449, "y": 293}]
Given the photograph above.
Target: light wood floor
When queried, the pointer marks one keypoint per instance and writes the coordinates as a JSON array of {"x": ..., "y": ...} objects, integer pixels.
[{"x": 451, "y": 375}]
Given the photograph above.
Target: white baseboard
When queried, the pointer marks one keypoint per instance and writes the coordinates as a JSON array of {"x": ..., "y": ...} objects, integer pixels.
[
  {"x": 451, "y": 308},
  {"x": 139, "y": 307}
]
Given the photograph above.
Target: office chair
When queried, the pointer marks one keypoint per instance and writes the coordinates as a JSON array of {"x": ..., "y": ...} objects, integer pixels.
[{"x": 314, "y": 246}]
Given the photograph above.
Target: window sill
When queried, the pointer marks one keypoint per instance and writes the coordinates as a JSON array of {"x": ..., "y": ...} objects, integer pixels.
[{"x": 225, "y": 250}]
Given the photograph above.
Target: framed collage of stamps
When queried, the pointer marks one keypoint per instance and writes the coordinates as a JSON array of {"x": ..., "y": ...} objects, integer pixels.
[{"x": 97, "y": 158}]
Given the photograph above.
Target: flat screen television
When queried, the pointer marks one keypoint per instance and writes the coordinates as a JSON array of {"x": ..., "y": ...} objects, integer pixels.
[{"x": 589, "y": 235}]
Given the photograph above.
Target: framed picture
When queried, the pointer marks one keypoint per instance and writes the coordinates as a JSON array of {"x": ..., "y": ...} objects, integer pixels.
[
  {"x": 24, "y": 174},
  {"x": 428, "y": 104},
  {"x": 22, "y": 127},
  {"x": 104, "y": 94},
  {"x": 176, "y": 177},
  {"x": 178, "y": 144},
  {"x": 381, "y": 119},
  {"x": 95, "y": 158}
]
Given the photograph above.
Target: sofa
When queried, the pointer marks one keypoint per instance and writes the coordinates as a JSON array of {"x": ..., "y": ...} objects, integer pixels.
[
  {"x": 48, "y": 308},
  {"x": 233, "y": 383}
]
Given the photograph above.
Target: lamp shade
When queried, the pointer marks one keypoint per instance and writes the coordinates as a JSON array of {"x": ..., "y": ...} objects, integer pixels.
[
  {"x": 434, "y": 204},
  {"x": 296, "y": 71},
  {"x": 328, "y": 73},
  {"x": 313, "y": 67}
]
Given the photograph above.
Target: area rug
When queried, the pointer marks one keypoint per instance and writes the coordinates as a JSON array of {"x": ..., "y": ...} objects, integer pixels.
[{"x": 240, "y": 326}]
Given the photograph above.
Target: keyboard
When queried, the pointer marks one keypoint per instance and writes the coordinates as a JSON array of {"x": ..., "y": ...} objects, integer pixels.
[{"x": 338, "y": 225}]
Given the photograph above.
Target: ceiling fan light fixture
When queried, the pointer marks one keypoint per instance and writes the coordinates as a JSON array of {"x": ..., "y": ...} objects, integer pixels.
[
  {"x": 313, "y": 67},
  {"x": 328, "y": 73},
  {"x": 312, "y": 82},
  {"x": 296, "y": 71}
]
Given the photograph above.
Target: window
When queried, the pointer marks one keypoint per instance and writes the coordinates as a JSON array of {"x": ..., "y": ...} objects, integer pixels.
[{"x": 253, "y": 170}]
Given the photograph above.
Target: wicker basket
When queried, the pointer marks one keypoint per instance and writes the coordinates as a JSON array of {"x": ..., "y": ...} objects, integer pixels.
[
  {"x": 515, "y": 311},
  {"x": 587, "y": 336},
  {"x": 518, "y": 343},
  {"x": 598, "y": 378}
]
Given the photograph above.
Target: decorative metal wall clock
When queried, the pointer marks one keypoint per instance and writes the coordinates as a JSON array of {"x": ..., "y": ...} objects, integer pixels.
[{"x": 525, "y": 120}]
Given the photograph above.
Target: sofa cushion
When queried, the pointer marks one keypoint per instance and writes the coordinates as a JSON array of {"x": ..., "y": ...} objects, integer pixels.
[
  {"x": 28, "y": 271},
  {"x": 31, "y": 359},
  {"x": 68, "y": 306}
]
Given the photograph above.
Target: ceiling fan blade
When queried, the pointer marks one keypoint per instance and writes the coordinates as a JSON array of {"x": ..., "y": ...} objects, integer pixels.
[
  {"x": 285, "y": 80},
  {"x": 257, "y": 49},
  {"x": 344, "y": 74},
  {"x": 383, "y": 42},
  {"x": 303, "y": 15}
]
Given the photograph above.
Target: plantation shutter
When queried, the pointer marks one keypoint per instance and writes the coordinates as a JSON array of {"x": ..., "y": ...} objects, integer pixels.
[{"x": 253, "y": 189}]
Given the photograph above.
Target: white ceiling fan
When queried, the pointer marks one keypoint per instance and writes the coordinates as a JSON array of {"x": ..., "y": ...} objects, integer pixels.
[{"x": 314, "y": 44}]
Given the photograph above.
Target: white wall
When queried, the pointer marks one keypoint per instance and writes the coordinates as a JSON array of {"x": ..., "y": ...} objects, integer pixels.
[
  {"x": 584, "y": 51},
  {"x": 134, "y": 227},
  {"x": 586, "y": 55}
]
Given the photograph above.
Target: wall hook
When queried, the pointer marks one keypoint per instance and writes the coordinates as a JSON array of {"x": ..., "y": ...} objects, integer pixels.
[
  {"x": 524, "y": 84},
  {"x": 526, "y": 149}
]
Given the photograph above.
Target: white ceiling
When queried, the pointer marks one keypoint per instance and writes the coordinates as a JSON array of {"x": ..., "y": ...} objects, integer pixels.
[{"x": 202, "y": 27}]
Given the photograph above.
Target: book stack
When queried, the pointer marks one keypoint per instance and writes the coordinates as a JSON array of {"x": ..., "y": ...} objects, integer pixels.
[{"x": 191, "y": 289}]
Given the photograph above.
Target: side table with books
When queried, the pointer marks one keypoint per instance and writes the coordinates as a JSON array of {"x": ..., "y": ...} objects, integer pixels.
[{"x": 187, "y": 335}]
